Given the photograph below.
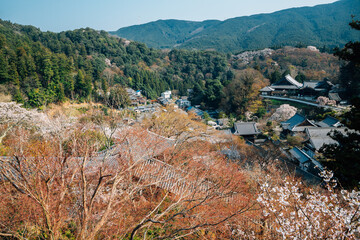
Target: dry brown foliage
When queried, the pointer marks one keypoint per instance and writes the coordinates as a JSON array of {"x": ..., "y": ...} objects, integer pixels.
[{"x": 56, "y": 187}]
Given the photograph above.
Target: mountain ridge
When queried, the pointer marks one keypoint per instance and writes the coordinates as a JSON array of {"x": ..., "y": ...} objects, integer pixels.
[{"x": 321, "y": 25}]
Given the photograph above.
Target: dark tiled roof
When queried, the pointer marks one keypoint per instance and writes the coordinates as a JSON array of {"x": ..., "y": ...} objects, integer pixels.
[
  {"x": 246, "y": 128},
  {"x": 266, "y": 89},
  {"x": 334, "y": 96},
  {"x": 313, "y": 166},
  {"x": 287, "y": 82},
  {"x": 329, "y": 122},
  {"x": 299, "y": 155},
  {"x": 195, "y": 110},
  {"x": 325, "y": 84},
  {"x": 317, "y": 85},
  {"x": 279, "y": 87},
  {"x": 319, "y": 136},
  {"x": 310, "y": 84},
  {"x": 293, "y": 121}
]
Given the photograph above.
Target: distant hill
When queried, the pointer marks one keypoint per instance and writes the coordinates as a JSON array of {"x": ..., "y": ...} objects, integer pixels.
[
  {"x": 322, "y": 25},
  {"x": 164, "y": 33}
]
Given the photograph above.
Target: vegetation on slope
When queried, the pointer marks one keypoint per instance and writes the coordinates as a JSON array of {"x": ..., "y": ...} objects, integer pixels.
[
  {"x": 302, "y": 63},
  {"x": 55, "y": 184},
  {"x": 38, "y": 68},
  {"x": 44, "y": 67},
  {"x": 164, "y": 33},
  {"x": 323, "y": 25}
]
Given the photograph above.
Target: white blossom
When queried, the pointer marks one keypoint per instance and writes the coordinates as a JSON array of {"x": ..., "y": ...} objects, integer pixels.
[
  {"x": 322, "y": 214},
  {"x": 283, "y": 113},
  {"x": 325, "y": 101},
  {"x": 13, "y": 114}
]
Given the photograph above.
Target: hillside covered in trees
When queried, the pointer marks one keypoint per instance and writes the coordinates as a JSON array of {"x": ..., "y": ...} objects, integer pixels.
[
  {"x": 322, "y": 25},
  {"x": 38, "y": 68},
  {"x": 43, "y": 66},
  {"x": 302, "y": 63}
]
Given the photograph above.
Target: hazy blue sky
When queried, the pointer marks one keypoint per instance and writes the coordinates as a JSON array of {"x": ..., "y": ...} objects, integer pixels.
[{"x": 60, "y": 15}]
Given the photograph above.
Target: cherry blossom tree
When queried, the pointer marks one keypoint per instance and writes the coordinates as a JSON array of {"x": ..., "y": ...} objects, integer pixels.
[
  {"x": 283, "y": 113},
  {"x": 13, "y": 114},
  {"x": 325, "y": 101},
  {"x": 299, "y": 212}
]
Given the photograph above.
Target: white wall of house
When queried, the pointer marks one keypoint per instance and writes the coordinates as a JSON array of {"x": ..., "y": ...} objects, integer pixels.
[{"x": 166, "y": 95}]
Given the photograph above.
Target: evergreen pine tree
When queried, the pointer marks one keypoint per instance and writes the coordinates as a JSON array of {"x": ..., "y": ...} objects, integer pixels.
[{"x": 4, "y": 68}]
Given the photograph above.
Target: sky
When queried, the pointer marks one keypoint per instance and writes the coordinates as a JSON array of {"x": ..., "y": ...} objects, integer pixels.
[{"x": 110, "y": 15}]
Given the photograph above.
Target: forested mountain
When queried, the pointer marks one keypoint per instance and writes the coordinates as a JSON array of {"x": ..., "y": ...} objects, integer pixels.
[
  {"x": 164, "y": 33},
  {"x": 322, "y": 25}
]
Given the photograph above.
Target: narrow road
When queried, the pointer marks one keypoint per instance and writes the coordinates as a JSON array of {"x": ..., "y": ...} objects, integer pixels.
[{"x": 305, "y": 102}]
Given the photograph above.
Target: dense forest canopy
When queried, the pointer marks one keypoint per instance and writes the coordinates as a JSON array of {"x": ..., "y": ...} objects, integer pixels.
[{"x": 45, "y": 66}]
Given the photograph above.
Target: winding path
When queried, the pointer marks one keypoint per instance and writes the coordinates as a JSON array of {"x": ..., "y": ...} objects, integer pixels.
[{"x": 305, "y": 102}]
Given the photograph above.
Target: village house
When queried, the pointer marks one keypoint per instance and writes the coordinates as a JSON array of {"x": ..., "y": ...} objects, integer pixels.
[
  {"x": 336, "y": 97},
  {"x": 288, "y": 86},
  {"x": 165, "y": 98},
  {"x": 315, "y": 88},
  {"x": 267, "y": 91},
  {"x": 147, "y": 108},
  {"x": 285, "y": 86},
  {"x": 319, "y": 136},
  {"x": 196, "y": 111},
  {"x": 136, "y": 97},
  {"x": 316, "y": 137},
  {"x": 329, "y": 122},
  {"x": 166, "y": 94},
  {"x": 306, "y": 162},
  {"x": 183, "y": 103},
  {"x": 297, "y": 123},
  {"x": 315, "y": 134},
  {"x": 247, "y": 130},
  {"x": 164, "y": 101}
]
